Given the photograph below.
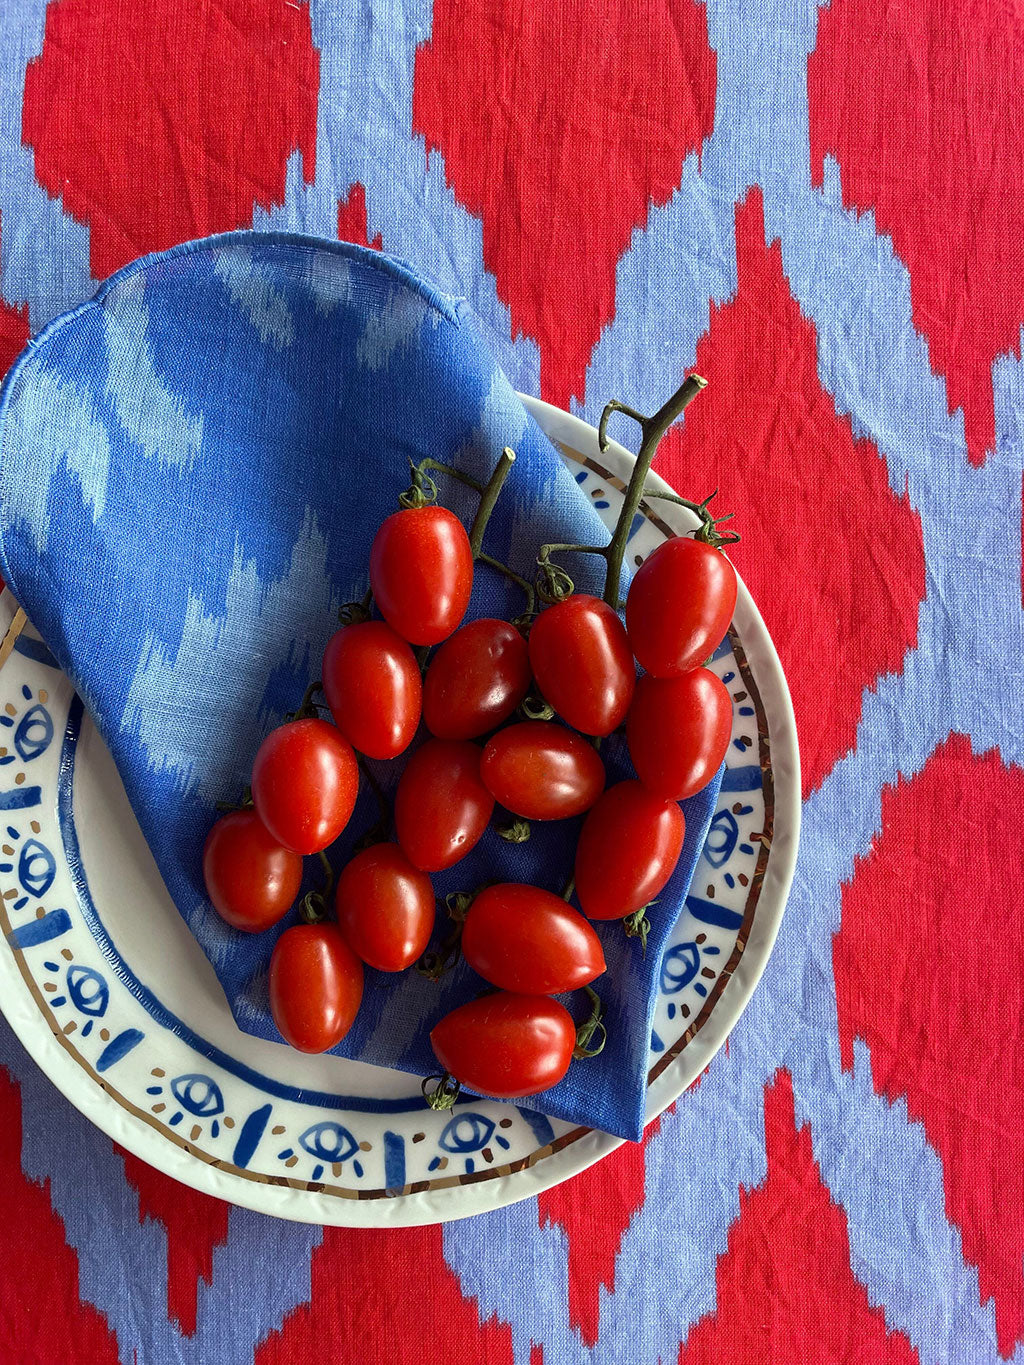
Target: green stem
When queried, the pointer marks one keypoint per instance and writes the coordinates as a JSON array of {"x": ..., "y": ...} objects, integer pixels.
[
  {"x": 313, "y": 909},
  {"x": 513, "y": 577},
  {"x": 488, "y": 498},
  {"x": 567, "y": 890},
  {"x": 594, "y": 1023}
]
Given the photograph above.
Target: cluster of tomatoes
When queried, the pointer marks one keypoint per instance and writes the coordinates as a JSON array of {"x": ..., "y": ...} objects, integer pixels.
[{"x": 527, "y": 942}]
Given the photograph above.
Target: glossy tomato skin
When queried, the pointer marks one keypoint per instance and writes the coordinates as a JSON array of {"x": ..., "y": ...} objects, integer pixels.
[
  {"x": 316, "y": 985},
  {"x": 678, "y": 732},
  {"x": 628, "y": 848},
  {"x": 679, "y": 606},
  {"x": 304, "y": 784},
  {"x": 442, "y": 807},
  {"x": 524, "y": 939},
  {"x": 583, "y": 663},
  {"x": 421, "y": 573},
  {"x": 506, "y": 1045},
  {"x": 542, "y": 771},
  {"x": 251, "y": 880},
  {"x": 385, "y": 908},
  {"x": 372, "y": 684},
  {"x": 476, "y": 680}
]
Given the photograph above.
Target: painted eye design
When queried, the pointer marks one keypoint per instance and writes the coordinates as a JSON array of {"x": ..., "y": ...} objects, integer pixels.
[
  {"x": 89, "y": 992},
  {"x": 679, "y": 966},
  {"x": 198, "y": 1095},
  {"x": 722, "y": 837},
  {"x": 36, "y": 868},
  {"x": 466, "y": 1133},
  {"x": 34, "y": 733},
  {"x": 328, "y": 1141}
]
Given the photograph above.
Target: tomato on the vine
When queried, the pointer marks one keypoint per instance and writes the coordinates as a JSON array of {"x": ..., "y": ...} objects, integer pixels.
[
  {"x": 251, "y": 880},
  {"x": 304, "y": 784},
  {"x": 385, "y": 907},
  {"x": 372, "y": 684},
  {"x": 628, "y": 849},
  {"x": 524, "y": 939},
  {"x": 421, "y": 573},
  {"x": 542, "y": 771},
  {"x": 583, "y": 664},
  {"x": 680, "y": 603},
  {"x": 506, "y": 1045},
  {"x": 441, "y": 805},
  {"x": 678, "y": 732},
  {"x": 316, "y": 985},
  {"x": 476, "y": 680}
]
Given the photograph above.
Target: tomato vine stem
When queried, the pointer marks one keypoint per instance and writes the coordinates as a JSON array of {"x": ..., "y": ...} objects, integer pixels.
[{"x": 593, "y": 1024}]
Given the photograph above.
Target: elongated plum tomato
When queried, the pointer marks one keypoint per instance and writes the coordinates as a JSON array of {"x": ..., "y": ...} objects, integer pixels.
[
  {"x": 679, "y": 606},
  {"x": 583, "y": 663},
  {"x": 304, "y": 784},
  {"x": 506, "y": 1045},
  {"x": 628, "y": 848},
  {"x": 524, "y": 939},
  {"x": 373, "y": 687},
  {"x": 316, "y": 985},
  {"x": 441, "y": 806},
  {"x": 421, "y": 573},
  {"x": 542, "y": 771},
  {"x": 678, "y": 732},
  {"x": 475, "y": 680},
  {"x": 385, "y": 908},
  {"x": 251, "y": 880}
]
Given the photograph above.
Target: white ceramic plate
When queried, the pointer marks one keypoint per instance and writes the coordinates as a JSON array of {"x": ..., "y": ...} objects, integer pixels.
[{"x": 104, "y": 985}]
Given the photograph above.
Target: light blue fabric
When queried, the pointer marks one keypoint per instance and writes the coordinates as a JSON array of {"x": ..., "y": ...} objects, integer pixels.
[{"x": 193, "y": 467}]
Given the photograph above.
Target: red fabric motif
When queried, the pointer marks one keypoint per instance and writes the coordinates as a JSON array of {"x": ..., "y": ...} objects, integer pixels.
[
  {"x": 927, "y": 968},
  {"x": 785, "y": 1288},
  {"x": 42, "y": 1317},
  {"x": 352, "y": 226},
  {"x": 808, "y": 497},
  {"x": 560, "y": 144},
  {"x": 221, "y": 95},
  {"x": 919, "y": 105},
  {"x": 13, "y": 328}
]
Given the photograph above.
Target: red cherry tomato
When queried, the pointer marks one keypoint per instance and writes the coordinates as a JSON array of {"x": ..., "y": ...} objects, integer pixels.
[
  {"x": 304, "y": 784},
  {"x": 251, "y": 880},
  {"x": 542, "y": 771},
  {"x": 476, "y": 680},
  {"x": 441, "y": 806},
  {"x": 679, "y": 606},
  {"x": 524, "y": 939},
  {"x": 372, "y": 683},
  {"x": 316, "y": 985},
  {"x": 629, "y": 846},
  {"x": 678, "y": 732},
  {"x": 506, "y": 1045},
  {"x": 385, "y": 908},
  {"x": 583, "y": 663},
  {"x": 421, "y": 573}
]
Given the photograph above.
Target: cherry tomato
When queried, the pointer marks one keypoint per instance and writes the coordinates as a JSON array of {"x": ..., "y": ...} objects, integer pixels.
[
  {"x": 583, "y": 663},
  {"x": 629, "y": 846},
  {"x": 441, "y": 806},
  {"x": 316, "y": 985},
  {"x": 421, "y": 573},
  {"x": 304, "y": 784},
  {"x": 385, "y": 908},
  {"x": 373, "y": 687},
  {"x": 542, "y": 771},
  {"x": 251, "y": 880},
  {"x": 678, "y": 732},
  {"x": 476, "y": 680},
  {"x": 524, "y": 939},
  {"x": 679, "y": 606},
  {"x": 506, "y": 1045}
]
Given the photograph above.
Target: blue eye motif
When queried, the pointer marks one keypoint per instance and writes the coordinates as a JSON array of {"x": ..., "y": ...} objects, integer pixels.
[
  {"x": 721, "y": 838},
  {"x": 198, "y": 1095},
  {"x": 89, "y": 992},
  {"x": 36, "y": 868},
  {"x": 466, "y": 1133},
  {"x": 679, "y": 966},
  {"x": 328, "y": 1141},
  {"x": 34, "y": 733}
]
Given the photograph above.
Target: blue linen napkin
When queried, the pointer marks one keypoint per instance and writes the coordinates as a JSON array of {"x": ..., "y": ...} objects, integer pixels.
[{"x": 192, "y": 469}]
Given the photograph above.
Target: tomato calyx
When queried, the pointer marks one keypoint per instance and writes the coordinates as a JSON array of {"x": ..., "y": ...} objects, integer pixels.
[
  {"x": 308, "y": 709},
  {"x": 707, "y": 530},
  {"x": 591, "y": 1026},
  {"x": 441, "y": 1090},
  {"x": 356, "y": 613},
  {"x": 517, "y": 831},
  {"x": 313, "y": 906},
  {"x": 533, "y": 707},
  {"x": 434, "y": 965},
  {"x": 637, "y": 925}
]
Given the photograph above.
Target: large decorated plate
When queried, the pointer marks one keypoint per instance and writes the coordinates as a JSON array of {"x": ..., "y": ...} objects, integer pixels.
[{"x": 104, "y": 985}]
